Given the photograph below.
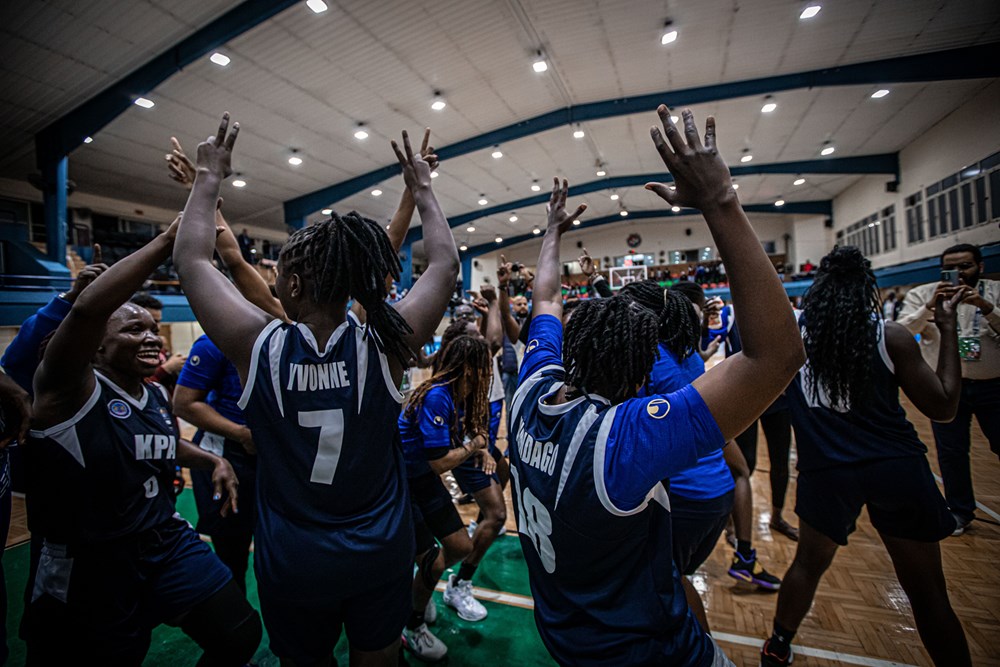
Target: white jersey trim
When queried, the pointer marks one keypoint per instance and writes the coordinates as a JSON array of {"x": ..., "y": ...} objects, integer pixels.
[
  {"x": 331, "y": 341},
  {"x": 362, "y": 353},
  {"x": 273, "y": 357},
  {"x": 255, "y": 360},
  {"x": 137, "y": 403},
  {"x": 582, "y": 428},
  {"x": 882, "y": 350},
  {"x": 387, "y": 376},
  {"x": 657, "y": 493},
  {"x": 524, "y": 388},
  {"x": 75, "y": 419}
]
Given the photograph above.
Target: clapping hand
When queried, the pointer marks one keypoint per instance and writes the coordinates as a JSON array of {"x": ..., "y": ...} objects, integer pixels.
[
  {"x": 556, "y": 207},
  {"x": 701, "y": 177},
  {"x": 215, "y": 154}
]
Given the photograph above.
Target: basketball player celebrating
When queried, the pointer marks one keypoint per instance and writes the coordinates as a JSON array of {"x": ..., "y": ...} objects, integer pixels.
[
  {"x": 856, "y": 448},
  {"x": 333, "y": 538},
  {"x": 587, "y": 457},
  {"x": 116, "y": 561}
]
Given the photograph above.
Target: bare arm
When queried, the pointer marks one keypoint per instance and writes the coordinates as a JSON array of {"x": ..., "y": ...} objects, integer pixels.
[
  {"x": 494, "y": 329},
  {"x": 457, "y": 455},
  {"x": 546, "y": 297},
  {"x": 917, "y": 312},
  {"x": 231, "y": 321},
  {"x": 425, "y": 304},
  {"x": 738, "y": 390},
  {"x": 191, "y": 406},
  {"x": 934, "y": 393},
  {"x": 223, "y": 477},
  {"x": 511, "y": 328},
  {"x": 248, "y": 280}
]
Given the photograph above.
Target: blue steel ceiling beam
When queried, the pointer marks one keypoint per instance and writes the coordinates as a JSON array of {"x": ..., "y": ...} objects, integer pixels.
[
  {"x": 63, "y": 135},
  {"x": 971, "y": 62},
  {"x": 882, "y": 163}
]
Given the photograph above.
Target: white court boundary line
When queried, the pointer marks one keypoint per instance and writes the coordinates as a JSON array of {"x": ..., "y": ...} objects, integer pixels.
[
  {"x": 526, "y": 602},
  {"x": 996, "y": 517}
]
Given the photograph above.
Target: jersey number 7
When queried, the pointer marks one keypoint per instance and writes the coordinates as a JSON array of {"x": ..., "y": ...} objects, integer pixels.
[{"x": 331, "y": 439}]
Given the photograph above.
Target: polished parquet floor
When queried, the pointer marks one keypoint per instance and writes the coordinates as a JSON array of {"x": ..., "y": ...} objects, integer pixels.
[{"x": 861, "y": 615}]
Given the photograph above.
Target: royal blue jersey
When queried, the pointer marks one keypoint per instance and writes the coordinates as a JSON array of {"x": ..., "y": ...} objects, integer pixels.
[
  {"x": 108, "y": 471},
  {"x": 594, "y": 518},
  {"x": 710, "y": 477},
  {"x": 876, "y": 428},
  {"x": 207, "y": 369},
  {"x": 427, "y": 434},
  {"x": 333, "y": 512}
]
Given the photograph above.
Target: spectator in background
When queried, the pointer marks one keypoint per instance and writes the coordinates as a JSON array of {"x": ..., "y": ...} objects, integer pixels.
[
  {"x": 246, "y": 246},
  {"x": 889, "y": 307},
  {"x": 808, "y": 267}
]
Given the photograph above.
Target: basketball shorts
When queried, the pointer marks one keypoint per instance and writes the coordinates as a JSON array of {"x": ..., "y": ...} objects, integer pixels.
[
  {"x": 434, "y": 514},
  {"x": 696, "y": 526},
  {"x": 496, "y": 409},
  {"x": 210, "y": 521}
]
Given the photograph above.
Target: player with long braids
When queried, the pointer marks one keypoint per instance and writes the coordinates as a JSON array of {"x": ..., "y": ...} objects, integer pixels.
[
  {"x": 856, "y": 448},
  {"x": 444, "y": 425},
  {"x": 588, "y": 456},
  {"x": 334, "y": 536}
]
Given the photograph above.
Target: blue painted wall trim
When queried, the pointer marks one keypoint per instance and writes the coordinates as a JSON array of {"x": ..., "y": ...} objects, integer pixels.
[
  {"x": 406, "y": 261},
  {"x": 17, "y": 305},
  {"x": 972, "y": 62},
  {"x": 883, "y": 163},
  {"x": 54, "y": 175},
  {"x": 466, "y": 271},
  {"x": 65, "y": 134}
]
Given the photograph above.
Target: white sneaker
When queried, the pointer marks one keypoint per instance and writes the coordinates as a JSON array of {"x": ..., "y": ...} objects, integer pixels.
[
  {"x": 458, "y": 595},
  {"x": 472, "y": 528},
  {"x": 423, "y": 644},
  {"x": 430, "y": 612}
]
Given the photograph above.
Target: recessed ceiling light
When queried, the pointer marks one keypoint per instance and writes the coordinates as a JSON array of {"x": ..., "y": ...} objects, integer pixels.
[
  {"x": 601, "y": 172},
  {"x": 882, "y": 92},
  {"x": 779, "y": 203},
  {"x": 376, "y": 193},
  {"x": 614, "y": 196},
  {"x": 499, "y": 239},
  {"x": 463, "y": 247},
  {"x": 578, "y": 134},
  {"x": 388, "y": 226},
  {"x": 798, "y": 181},
  {"x": 513, "y": 218},
  {"x": 623, "y": 213},
  {"x": 536, "y": 231},
  {"x": 470, "y": 229},
  {"x": 239, "y": 183},
  {"x": 294, "y": 160},
  {"x": 483, "y": 201},
  {"x": 434, "y": 174},
  {"x": 746, "y": 158},
  {"x": 539, "y": 65},
  {"x": 497, "y": 153},
  {"x": 809, "y": 12},
  {"x": 88, "y": 140},
  {"x": 317, "y": 6},
  {"x": 769, "y": 106},
  {"x": 669, "y": 34},
  {"x": 327, "y": 211},
  {"x": 535, "y": 187},
  {"x": 219, "y": 59},
  {"x": 675, "y": 209},
  {"x": 827, "y": 150},
  {"x": 438, "y": 104},
  {"x": 361, "y": 133},
  {"x": 144, "y": 103},
  {"x": 736, "y": 186},
  {"x": 576, "y": 222}
]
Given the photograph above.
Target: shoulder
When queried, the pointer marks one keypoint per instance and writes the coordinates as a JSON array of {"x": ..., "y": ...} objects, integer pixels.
[
  {"x": 438, "y": 397},
  {"x": 899, "y": 341}
]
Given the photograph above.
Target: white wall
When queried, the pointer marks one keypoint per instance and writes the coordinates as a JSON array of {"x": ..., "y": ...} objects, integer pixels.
[{"x": 968, "y": 134}]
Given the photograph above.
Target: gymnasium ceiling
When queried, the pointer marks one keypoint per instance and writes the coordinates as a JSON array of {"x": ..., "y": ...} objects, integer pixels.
[{"x": 304, "y": 81}]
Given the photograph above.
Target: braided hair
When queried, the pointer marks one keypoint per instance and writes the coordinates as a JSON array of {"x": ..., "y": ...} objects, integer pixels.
[
  {"x": 349, "y": 257},
  {"x": 455, "y": 329},
  {"x": 610, "y": 347},
  {"x": 463, "y": 365},
  {"x": 842, "y": 313},
  {"x": 678, "y": 327}
]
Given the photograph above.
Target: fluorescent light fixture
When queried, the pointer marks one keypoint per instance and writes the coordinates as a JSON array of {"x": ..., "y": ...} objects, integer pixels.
[
  {"x": 144, "y": 103},
  {"x": 295, "y": 160},
  {"x": 601, "y": 172},
  {"x": 881, "y": 92},
  {"x": 219, "y": 59},
  {"x": 623, "y": 213},
  {"x": 376, "y": 193},
  {"x": 675, "y": 209},
  {"x": 88, "y": 140},
  {"x": 768, "y": 107},
  {"x": 809, "y": 12},
  {"x": 798, "y": 181},
  {"x": 497, "y": 154},
  {"x": 614, "y": 196},
  {"x": 746, "y": 158},
  {"x": 239, "y": 183},
  {"x": 434, "y": 174},
  {"x": 470, "y": 229},
  {"x": 483, "y": 201},
  {"x": 827, "y": 151},
  {"x": 576, "y": 222},
  {"x": 513, "y": 218},
  {"x": 779, "y": 203},
  {"x": 327, "y": 211},
  {"x": 499, "y": 239},
  {"x": 317, "y": 6},
  {"x": 668, "y": 37},
  {"x": 578, "y": 134},
  {"x": 536, "y": 231}
]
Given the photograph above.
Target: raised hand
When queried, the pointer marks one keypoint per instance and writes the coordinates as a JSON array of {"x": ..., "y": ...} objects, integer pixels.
[
  {"x": 701, "y": 177},
  {"x": 427, "y": 151},
  {"x": 946, "y": 310},
  {"x": 87, "y": 275},
  {"x": 215, "y": 154},
  {"x": 171, "y": 233},
  {"x": 505, "y": 271},
  {"x": 179, "y": 164},
  {"x": 556, "y": 208},
  {"x": 416, "y": 170},
  {"x": 587, "y": 263},
  {"x": 488, "y": 293}
]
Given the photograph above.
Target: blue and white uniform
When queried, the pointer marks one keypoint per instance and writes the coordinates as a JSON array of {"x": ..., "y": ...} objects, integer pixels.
[
  {"x": 334, "y": 540},
  {"x": 594, "y": 518}
]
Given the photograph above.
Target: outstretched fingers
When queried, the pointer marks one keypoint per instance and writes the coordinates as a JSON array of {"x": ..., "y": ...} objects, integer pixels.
[
  {"x": 399, "y": 154},
  {"x": 665, "y": 192},
  {"x": 223, "y": 128},
  {"x": 426, "y": 141},
  {"x": 97, "y": 258},
  {"x": 576, "y": 214},
  {"x": 554, "y": 197},
  {"x": 710, "y": 133},
  {"x": 670, "y": 129},
  {"x": 231, "y": 139},
  {"x": 690, "y": 130},
  {"x": 406, "y": 146}
]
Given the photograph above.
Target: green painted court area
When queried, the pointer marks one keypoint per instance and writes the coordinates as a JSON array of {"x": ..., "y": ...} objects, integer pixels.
[{"x": 507, "y": 636}]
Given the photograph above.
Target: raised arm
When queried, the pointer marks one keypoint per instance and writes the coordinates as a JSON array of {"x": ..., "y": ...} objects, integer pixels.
[
  {"x": 594, "y": 276},
  {"x": 934, "y": 393},
  {"x": 918, "y": 306},
  {"x": 511, "y": 328},
  {"x": 546, "y": 296},
  {"x": 426, "y": 302},
  {"x": 231, "y": 321},
  {"x": 494, "y": 328},
  {"x": 248, "y": 280},
  {"x": 738, "y": 390}
]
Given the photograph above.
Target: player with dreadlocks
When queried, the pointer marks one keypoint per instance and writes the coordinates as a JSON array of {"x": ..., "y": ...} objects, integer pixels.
[
  {"x": 856, "y": 448},
  {"x": 588, "y": 456},
  {"x": 333, "y": 537},
  {"x": 444, "y": 425}
]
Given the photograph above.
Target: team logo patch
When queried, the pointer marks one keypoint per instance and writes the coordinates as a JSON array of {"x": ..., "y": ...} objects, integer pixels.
[
  {"x": 439, "y": 420},
  {"x": 166, "y": 417},
  {"x": 658, "y": 408},
  {"x": 195, "y": 360},
  {"x": 119, "y": 408},
  {"x": 532, "y": 344}
]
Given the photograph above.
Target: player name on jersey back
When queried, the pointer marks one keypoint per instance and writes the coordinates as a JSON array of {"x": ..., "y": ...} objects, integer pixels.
[
  {"x": 310, "y": 377},
  {"x": 541, "y": 455}
]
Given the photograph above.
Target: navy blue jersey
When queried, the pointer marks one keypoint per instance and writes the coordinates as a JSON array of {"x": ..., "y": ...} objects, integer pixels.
[
  {"x": 108, "y": 471},
  {"x": 427, "y": 434},
  {"x": 207, "y": 369},
  {"x": 710, "y": 477},
  {"x": 877, "y": 428},
  {"x": 594, "y": 518},
  {"x": 333, "y": 513}
]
